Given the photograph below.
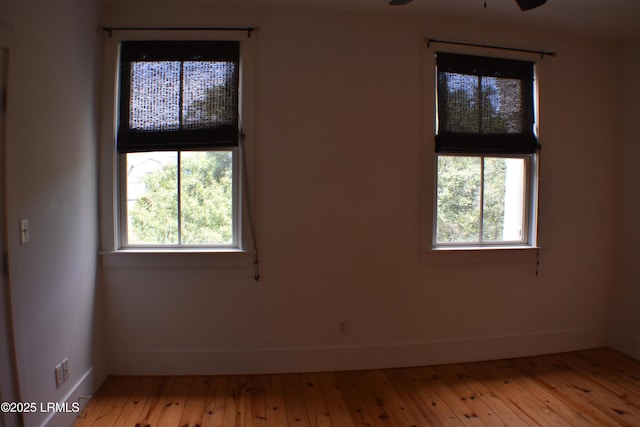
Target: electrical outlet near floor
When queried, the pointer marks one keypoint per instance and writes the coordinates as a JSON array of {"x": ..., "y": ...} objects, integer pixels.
[
  {"x": 59, "y": 375},
  {"x": 343, "y": 327},
  {"x": 65, "y": 369},
  {"x": 62, "y": 372}
]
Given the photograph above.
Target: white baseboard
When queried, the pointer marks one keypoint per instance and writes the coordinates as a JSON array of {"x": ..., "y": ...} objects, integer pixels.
[
  {"x": 80, "y": 393},
  {"x": 282, "y": 360}
]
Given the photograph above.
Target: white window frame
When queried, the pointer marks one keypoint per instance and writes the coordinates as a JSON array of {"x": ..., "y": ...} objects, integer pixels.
[
  {"x": 529, "y": 210},
  {"x": 113, "y": 225},
  {"x": 123, "y": 206},
  {"x": 532, "y": 182}
]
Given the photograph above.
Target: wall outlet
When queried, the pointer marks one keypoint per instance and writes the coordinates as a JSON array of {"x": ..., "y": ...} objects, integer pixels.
[
  {"x": 62, "y": 372},
  {"x": 59, "y": 375},
  {"x": 343, "y": 327},
  {"x": 65, "y": 369}
]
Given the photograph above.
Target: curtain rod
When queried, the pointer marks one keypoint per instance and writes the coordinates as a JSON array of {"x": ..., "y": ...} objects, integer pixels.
[
  {"x": 110, "y": 30},
  {"x": 539, "y": 52}
]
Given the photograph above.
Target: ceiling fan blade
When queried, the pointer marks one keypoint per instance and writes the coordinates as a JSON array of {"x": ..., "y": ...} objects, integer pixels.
[
  {"x": 399, "y": 2},
  {"x": 530, "y": 4}
]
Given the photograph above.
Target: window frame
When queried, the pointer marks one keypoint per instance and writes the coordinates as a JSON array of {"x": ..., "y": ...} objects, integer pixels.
[
  {"x": 531, "y": 164},
  {"x": 123, "y": 206},
  {"x": 111, "y": 240},
  {"x": 176, "y": 51},
  {"x": 173, "y": 140}
]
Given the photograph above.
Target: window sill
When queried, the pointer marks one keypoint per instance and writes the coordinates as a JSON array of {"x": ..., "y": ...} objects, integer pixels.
[
  {"x": 177, "y": 258},
  {"x": 480, "y": 255}
]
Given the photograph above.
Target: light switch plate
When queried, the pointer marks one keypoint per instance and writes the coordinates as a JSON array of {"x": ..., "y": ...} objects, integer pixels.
[{"x": 24, "y": 231}]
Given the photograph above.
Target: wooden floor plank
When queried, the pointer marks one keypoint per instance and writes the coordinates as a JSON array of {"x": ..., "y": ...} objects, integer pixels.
[
  {"x": 507, "y": 412},
  {"x": 194, "y": 408},
  {"x": 372, "y": 401},
  {"x": 318, "y": 412},
  {"x": 142, "y": 410},
  {"x": 234, "y": 403},
  {"x": 355, "y": 402},
  {"x": 588, "y": 388},
  {"x": 139, "y": 401},
  {"x": 455, "y": 381},
  {"x": 566, "y": 391},
  {"x": 606, "y": 378},
  {"x": 169, "y": 405},
  {"x": 467, "y": 409},
  {"x": 397, "y": 400},
  {"x": 333, "y": 398},
  {"x": 258, "y": 402},
  {"x": 494, "y": 384},
  {"x": 108, "y": 404},
  {"x": 534, "y": 403},
  {"x": 406, "y": 390},
  {"x": 423, "y": 389},
  {"x": 276, "y": 406},
  {"x": 213, "y": 415},
  {"x": 622, "y": 411},
  {"x": 391, "y": 406},
  {"x": 622, "y": 365},
  {"x": 294, "y": 400}
]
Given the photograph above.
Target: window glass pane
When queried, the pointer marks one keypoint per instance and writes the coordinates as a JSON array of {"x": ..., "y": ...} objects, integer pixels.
[
  {"x": 152, "y": 198},
  {"x": 155, "y": 96},
  {"x": 206, "y": 197},
  {"x": 209, "y": 94},
  {"x": 503, "y": 210},
  {"x": 458, "y": 199},
  {"x": 503, "y": 199}
]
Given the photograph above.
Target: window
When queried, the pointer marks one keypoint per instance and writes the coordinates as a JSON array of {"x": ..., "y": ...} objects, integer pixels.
[
  {"x": 485, "y": 151},
  {"x": 177, "y": 141}
]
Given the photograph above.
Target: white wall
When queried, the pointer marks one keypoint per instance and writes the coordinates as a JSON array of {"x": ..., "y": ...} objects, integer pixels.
[
  {"x": 343, "y": 171},
  {"x": 625, "y": 321},
  {"x": 52, "y": 181}
]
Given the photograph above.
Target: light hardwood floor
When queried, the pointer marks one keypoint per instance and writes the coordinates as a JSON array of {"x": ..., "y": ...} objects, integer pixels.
[{"x": 598, "y": 387}]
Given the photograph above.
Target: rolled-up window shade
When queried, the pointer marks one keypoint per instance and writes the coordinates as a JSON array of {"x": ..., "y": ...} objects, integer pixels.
[
  {"x": 485, "y": 105},
  {"x": 178, "y": 95}
]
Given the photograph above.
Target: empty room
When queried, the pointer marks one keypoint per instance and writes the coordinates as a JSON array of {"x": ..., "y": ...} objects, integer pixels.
[{"x": 320, "y": 212}]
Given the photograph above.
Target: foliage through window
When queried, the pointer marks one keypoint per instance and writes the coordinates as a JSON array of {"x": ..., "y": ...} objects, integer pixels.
[
  {"x": 485, "y": 146},
  {"x": 177, "y": 139}
]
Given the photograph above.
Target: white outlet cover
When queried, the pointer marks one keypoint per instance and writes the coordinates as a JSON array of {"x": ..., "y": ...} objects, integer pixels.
[
  {"x": 59, "y": 375},
  {"x": 65, "y": 369}
]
